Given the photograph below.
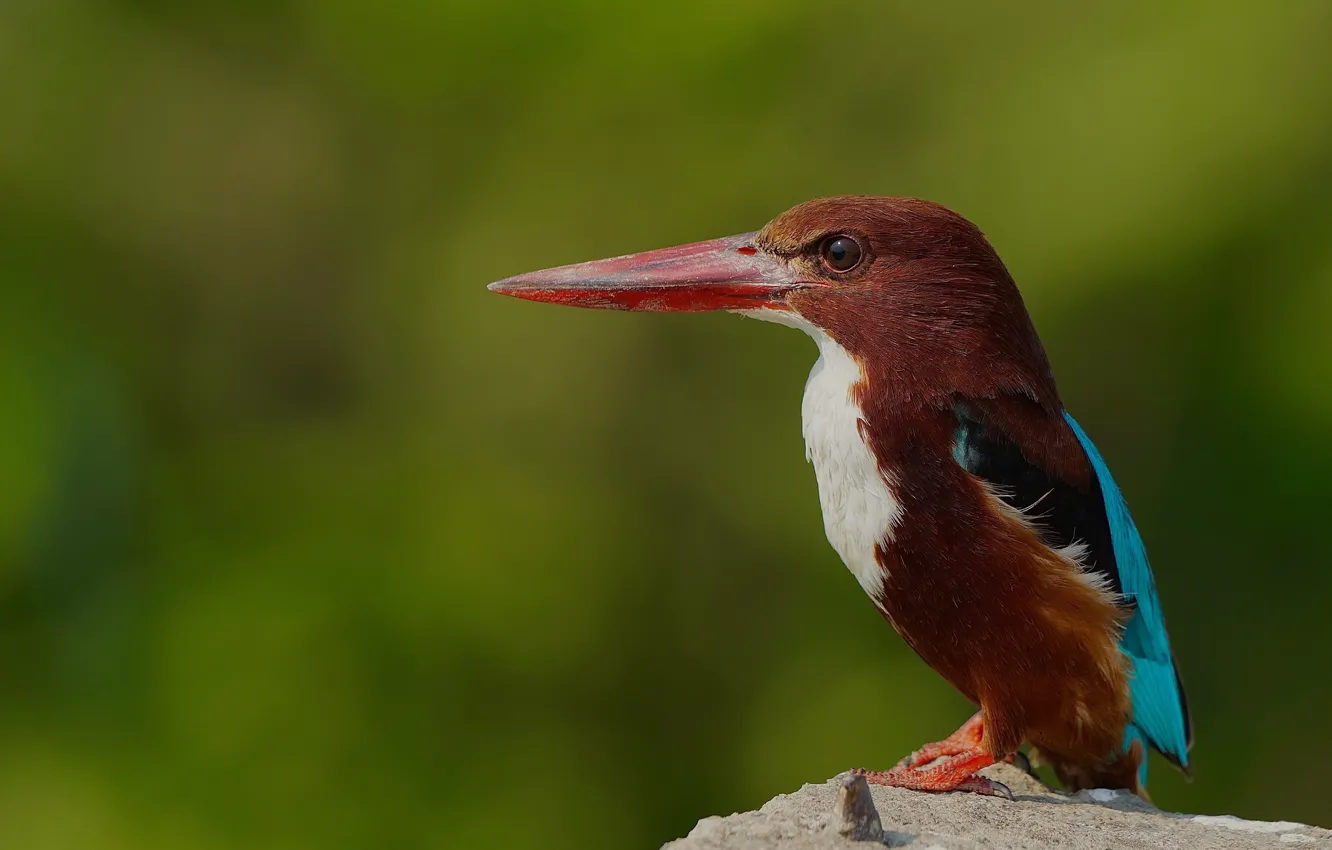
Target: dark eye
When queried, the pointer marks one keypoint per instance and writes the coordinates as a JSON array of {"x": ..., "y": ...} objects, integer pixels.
[{"x": 840, "y": 253}]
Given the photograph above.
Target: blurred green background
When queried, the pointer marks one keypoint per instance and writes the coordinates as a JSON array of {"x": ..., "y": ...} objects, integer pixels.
[{"x": 306, "y": 540}]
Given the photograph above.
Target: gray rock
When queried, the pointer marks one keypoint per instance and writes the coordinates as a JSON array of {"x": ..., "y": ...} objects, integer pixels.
[
  {"x": 853, "y": 815},
  {"x": 844, "y": 813}
]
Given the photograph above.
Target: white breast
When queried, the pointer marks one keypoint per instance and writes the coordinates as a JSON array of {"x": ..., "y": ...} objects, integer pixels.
[{"x": 859, "y": 509}]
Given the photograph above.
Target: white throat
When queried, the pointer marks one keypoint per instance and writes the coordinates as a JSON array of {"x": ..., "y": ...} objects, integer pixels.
[{"x": 859, "y": 508}]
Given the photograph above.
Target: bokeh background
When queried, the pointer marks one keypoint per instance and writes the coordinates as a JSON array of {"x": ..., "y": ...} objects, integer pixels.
[{"x": 307, "y": 541}]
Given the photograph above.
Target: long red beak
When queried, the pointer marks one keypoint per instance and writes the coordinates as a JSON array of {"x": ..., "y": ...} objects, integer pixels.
[{"x": 722, "y": 274}]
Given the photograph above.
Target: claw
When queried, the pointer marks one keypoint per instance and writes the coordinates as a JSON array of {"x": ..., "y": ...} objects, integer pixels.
[{"x": 985, "y": 787}]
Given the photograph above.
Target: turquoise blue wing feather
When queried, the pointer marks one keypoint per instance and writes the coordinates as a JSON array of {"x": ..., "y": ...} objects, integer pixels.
[
  {"x": 1099, "y": 519},
  {"x": 1160, "y": 711}
]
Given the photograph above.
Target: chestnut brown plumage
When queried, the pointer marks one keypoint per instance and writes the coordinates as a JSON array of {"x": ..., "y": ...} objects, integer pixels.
[{"x": 1006, "y": 558}]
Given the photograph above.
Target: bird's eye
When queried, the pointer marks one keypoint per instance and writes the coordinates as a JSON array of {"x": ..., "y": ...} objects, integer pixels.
[{"x": 840, "y": 253}]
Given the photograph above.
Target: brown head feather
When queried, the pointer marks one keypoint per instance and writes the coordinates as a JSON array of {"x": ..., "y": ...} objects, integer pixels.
[{"x": 931, "y": 300}]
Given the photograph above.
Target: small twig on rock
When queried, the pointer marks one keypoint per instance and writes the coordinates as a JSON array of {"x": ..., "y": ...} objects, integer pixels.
[{"x": 854, "y": 815}]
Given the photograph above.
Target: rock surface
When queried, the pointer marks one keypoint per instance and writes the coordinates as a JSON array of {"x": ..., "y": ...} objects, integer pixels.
[{"x": 838, "y": 815}]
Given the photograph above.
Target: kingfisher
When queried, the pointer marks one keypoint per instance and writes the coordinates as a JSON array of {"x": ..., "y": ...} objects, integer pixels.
[{"x": 970, "y": 506}]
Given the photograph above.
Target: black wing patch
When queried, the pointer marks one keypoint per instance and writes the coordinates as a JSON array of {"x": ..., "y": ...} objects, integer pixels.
[{"x": 1062, "y": 512}]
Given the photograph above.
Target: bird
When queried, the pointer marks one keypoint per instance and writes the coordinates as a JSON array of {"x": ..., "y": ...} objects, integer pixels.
[{"x": 971, "y": 507}]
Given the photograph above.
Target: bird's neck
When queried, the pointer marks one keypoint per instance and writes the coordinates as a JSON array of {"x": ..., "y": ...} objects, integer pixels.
[{"x": 860, "y": 507}]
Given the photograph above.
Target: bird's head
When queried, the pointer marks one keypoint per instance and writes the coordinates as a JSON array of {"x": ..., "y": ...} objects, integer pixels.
[{"x": 897, "y": 282}]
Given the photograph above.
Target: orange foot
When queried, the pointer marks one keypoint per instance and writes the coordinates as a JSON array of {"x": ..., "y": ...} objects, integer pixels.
[
  {"x": 966, "y": 739},
  {"x": 959, "y": 756}
]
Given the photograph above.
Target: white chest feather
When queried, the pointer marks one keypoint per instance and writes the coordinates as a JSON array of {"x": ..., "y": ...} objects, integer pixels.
[{"x": 859, "y": 509}]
